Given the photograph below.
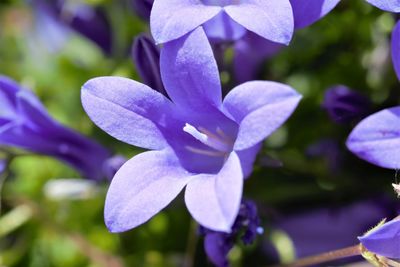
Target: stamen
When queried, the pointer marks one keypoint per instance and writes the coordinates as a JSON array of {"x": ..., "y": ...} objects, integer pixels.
[
  {"x": 208, "y": 138},
  {"x": 205, "y": 152}
]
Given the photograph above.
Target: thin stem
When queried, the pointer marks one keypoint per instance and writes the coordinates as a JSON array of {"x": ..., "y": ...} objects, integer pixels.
[
  {"x": 393, "y": 263},
  {"x": 191, "y": 245},
  {"x": 325, "y": 257}
]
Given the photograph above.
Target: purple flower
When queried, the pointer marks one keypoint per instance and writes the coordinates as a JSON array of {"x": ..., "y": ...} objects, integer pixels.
[
  {"x": 345, "y": 105},
  {"x": 247, "y": 226},
  {"x": 146, "y": 56},
  {"x": 222, "y": 19},
  {"x": 252, "y": 49},
  {"x": 3, "y": 166},
  {"x": 387, "y": 5},
  {"x": 384, "y": 240},
  {"x": 84, "y": 19},
  {"x": 112, "y": 165},
  {"x": 197, "y": 140},
  {"x": 25, "y": 124},
  {"x": 376, "y": 139}
]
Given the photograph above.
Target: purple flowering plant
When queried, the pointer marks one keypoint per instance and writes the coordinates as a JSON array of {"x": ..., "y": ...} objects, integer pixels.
[
  {"x": 204, "y": 116},
  {"x": 197, "y": 140}
]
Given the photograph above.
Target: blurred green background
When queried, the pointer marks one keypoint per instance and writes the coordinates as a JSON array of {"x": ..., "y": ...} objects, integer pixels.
[{"x": 350, "y": 46}]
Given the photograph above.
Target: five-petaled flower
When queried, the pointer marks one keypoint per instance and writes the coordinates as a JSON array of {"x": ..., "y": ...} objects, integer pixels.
[{"x": 196, "y": 140}]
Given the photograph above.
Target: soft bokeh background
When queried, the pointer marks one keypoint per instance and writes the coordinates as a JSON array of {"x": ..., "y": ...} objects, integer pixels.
[{"x": 38, "y": 228}]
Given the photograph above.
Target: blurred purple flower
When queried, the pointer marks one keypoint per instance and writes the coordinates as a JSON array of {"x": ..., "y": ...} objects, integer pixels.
[
  {"x": 89, "y": 21},
  {"x": 310, "y": 231},
  {"x": 387, "y": 5},
  {"x": 197, "y": 140},
  {"x": 146, "y": 57},
  {"x": 384, "y": 240},
  {"x": 376, "y": 139},
  {"x": 222, "y": 19},
  {"x": 143, "y": 8},
  {"x": 247, "y": 226},
  {"x": 3, "y": 166},
  {"x": 25, "y": 124},
  {"x": 345, "y": 105}
]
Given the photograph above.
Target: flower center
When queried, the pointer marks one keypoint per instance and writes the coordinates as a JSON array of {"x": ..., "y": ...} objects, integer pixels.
[{"x": 220, "y": 143}]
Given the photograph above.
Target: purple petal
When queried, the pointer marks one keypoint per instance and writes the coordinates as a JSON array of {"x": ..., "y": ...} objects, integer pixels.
[
  {"x": 250, "y": 52},
  {"x": 143, "y": 8},
  {"x": 272, "y": 19},
  {"x": 214, "y": 200},
  {"x": 146, "y": 57},
  {"x": 172, "y": 19},
  {"x": 217, "y": 246},
  {"x": 127, "y": 110},
  {"x": 247, "y": 158},
  {"x": 387, "y": 5},
  {"x": 8, "y": 90},
  {"x": 376, "y": 139},
  {"x": 307, "y": 12},
  {"x": 142, "y": 188},
  {"x": 384, "y": 240},
  {"x": 396, "y": 49},
  {"x": 189, "y": 71},
  {"x": 223, "y": 28},
  {"x": 259, "y": 108}
]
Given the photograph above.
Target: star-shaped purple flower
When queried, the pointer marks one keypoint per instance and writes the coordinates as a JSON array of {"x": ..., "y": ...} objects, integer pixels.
[
  {"x": 376, "y": 139},
  {"x": 26, "y": 124},
  {"x": 196, "y": 140},
  {"x": 229, "y": 20},
  {"x": 384, "y": 240}
]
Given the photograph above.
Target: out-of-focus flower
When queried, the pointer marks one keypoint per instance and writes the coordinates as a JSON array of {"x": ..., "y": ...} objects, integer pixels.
[
  {"x": 25, "y": 124},
  {"x": 222, "y": 19},
  {"x": 384, "y": 239},
  {"x": 197, "y": 140},
  {"x": 143, "y": 8},
  {"x": 89, "y": 21},
  {"x": 310, "y": 231},
  {"x": 146, "y": 56},
  {"x": 247, "y": 226},
  {"x": 71, "y": 189},
  {"x": 345, "y": 105},
  {"x": 3, "y": 166},
  {"x": 376, "y": 139}
]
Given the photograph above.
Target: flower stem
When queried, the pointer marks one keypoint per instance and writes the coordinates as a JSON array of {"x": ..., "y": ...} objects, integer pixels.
[{"x": 325, "y": 257}]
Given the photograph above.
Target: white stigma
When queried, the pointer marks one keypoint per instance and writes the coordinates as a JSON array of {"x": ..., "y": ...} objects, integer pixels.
[{"x": 217, "y": 142}]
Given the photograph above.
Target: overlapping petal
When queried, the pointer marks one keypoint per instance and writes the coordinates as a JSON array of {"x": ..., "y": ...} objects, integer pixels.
[
  {"x": 190, "y": 73},
  {"x": 307, "y": 12},
  {"x": 387, "y": 5},
  {"x": 127, "y": 110},
  {"x": 223, "y": 28},
  {"x": 376, "y": 139},
  {"x": 384, "y": 240},
  {"x": 143, "y": 187},
  {"x": 214, "y": 200},
  {"x": 396, "y": 49},
  {"x": 172, "y": 19},
  {"x": 272, "y": 19},
  {"x": 247, "y": 158},
  {"x": 259, "y": 107}
]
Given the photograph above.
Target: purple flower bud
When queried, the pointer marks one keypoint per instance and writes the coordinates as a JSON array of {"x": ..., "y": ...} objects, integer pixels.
[
  {"x": 218, "y": 244},
  {"x": 146, "y": 57},
  {"x": 88, "y": 21},
  {"x": 345, "y": 105},
  {"x": 384, "y": 239},
  {"x": 26, "y": 124},
  {"x": 143, "y": 8}
]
